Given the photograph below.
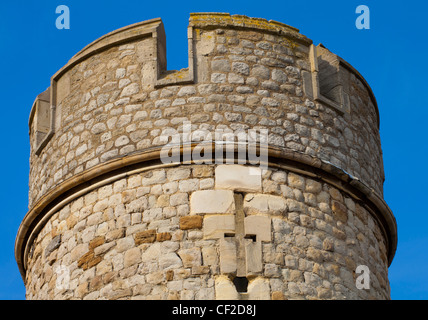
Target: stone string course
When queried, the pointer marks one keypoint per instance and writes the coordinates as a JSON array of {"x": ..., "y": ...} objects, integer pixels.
[
  {"x": 188, "y": 231},
  {"x": 138, "y": 238}
]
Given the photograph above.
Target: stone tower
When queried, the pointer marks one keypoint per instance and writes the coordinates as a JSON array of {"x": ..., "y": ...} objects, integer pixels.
[{"x": 120, "y": 208}]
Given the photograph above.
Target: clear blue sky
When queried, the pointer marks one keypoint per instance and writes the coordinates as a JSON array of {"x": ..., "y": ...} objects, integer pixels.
[{"x": 391, "y": 56}]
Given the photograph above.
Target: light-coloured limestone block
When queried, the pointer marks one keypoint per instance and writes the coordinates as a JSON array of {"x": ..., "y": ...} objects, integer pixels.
[
  {"x": 216, "y": 226},
  {"x": 259, "y": 289},
  {"x": 132, "y": 256},
  {"x": 225, "y": 289},
  {"x": 253, "y": 256},
  {"x": 152, "y": 253},
  {"x": 259, "y": 226},
  {"x": 263, "y": 203},
  {"x": 296, "y": 181},
  {"x": 228, "y": 255},
  {"x": 207, "y": 43},
  {"x": 170, "y": 261},
  {"x": 153, "y": 178},
  {"x": 190, "y": 257},
  {"x": 256, "y": 203},
  {"x": 209, "y": 256},
  {"x": 238, "y": 178},
  {"x": 212, "y": 201}
]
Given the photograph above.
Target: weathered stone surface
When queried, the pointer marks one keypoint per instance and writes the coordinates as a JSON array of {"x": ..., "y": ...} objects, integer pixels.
[
  {"x": 259, "y": 289},
  {"x": 170, "y": 261},
  {"x": 225, "y": 289},
  {"x": 186, "y": 91},
  {"x": 238, "y": 178},
  {"x": 153, "y": 178},
  {"x": 163, "y": 236},
  {"x": 339, "y": 211},
  {"x": 78, "y": 251},
  {"x": 328, "y": 245},
  {"x": 313, "y": 186},
  {"x": 259, "y": 226},
  {"x": 125, "y": 243},
  {"x": 228, "y": 255},
  {"x": 178, "y": 199},
  {"x": 296, "y": 181},
  {"x": 96, "y": 242},
  {"x": 241, "y": 68},
  {"x": 278, "y": 295},
  {"x": 209, "y": 256},
  {"x": 191, "y": 222},
  {"x": 130, "y": 90},
  {"x": 54, "y": 244},
  {"x": 216, "y": 226},
  {"x": 260, "y": 71},
  {"x": 335, "y": 194},
  {"x": 253, "y": 257},
  {"x": 147, "y": 236},
  {"x": 153, "y": 252},
  {"x": 88, "y": 260},
  {"x": 212, "y": 201},
  {"x": 190, "y": 257},
  {"x": 220, "y": 65},
  {"x": 99, "y": 250},
  {"x": 178, "y": 174},
  {"x": 261, "y": 203},
  {"x": 131, "y": 257},
  {"x": 202, "y": 171},
  {"x": 271, "y": 270},
  {"x": 85, "y": 258}
]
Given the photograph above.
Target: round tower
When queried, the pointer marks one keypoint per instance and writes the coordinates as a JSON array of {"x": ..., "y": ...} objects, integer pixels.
[{"x": 255, "y": 173}]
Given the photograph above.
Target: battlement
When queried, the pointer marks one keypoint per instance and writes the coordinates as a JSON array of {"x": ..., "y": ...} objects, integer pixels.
[{"x": 226, "y": 20}]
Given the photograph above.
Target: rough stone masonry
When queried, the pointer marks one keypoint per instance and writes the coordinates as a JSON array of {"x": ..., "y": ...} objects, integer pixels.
[{"x": 108, "y": 219}]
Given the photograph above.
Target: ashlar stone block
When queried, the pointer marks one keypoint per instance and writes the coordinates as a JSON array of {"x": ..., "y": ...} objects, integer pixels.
[
  {"x": 238, "y": 178},
  {"x": 190, "y": 257},
  {"x": 228, "y": 256},
  {"x": 260, "y": 226},
  {"x": 216, "y": 226},
  {"x": 212, "y": 201},
  {"x": 259, "y": 289},
  {"x": 263, "y": 203},
  {"x": 225, "y": 289},
  {"x": 253, "y": 256}
]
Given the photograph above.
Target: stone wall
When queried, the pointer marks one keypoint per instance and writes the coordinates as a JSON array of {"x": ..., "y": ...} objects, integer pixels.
[
  {"x": 146, "y": 237},
  {"x": 108, "y": 216}
]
